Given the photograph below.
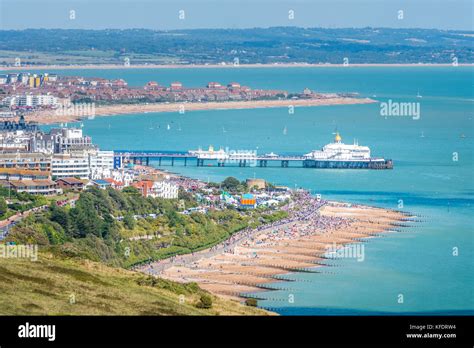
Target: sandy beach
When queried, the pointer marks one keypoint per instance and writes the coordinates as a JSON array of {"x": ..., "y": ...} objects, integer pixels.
[
  {"x": 213, "y": 66},
  {"x": 51, "y": 116},
  {"x": 259, "y": 257}
]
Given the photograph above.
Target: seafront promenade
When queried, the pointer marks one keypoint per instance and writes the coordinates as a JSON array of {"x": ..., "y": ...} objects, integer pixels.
[
  {"x": 238, "y": 238},
  {"x": 253, "y": 258}
]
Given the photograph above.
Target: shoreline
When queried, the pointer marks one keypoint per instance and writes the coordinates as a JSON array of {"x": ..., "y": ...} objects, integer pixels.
[
  {"x": 50, "y": 117},
  {"x": 227, "y": 66},
  {"x": 254, "y": 260}
]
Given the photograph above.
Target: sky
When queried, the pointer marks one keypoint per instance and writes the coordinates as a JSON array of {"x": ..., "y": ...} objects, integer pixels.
[{"x": 165, "y": 14}]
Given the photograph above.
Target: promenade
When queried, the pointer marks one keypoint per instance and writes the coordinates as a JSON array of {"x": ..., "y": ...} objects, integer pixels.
[{"x": 252, "y": 259}]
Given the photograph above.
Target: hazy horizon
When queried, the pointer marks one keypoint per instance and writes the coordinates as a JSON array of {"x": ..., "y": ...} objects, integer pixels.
[
  {"x": 234, "y": 14},
  {"x": 247, "y": 28}
]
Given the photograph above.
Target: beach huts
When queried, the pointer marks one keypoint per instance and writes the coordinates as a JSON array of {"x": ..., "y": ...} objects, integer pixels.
[{"x": 248, "y": 200}]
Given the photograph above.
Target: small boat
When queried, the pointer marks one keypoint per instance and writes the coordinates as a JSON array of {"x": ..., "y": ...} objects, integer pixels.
[
  {"x": 168, "y": 127},
  {"x": 285, "y": 131},
  {"x": 422, "y": 134},
  {"x": 418, "y": 95}
]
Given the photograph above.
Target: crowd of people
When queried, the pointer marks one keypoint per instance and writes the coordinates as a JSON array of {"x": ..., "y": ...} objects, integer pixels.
[{"x": 303, "y": 219}]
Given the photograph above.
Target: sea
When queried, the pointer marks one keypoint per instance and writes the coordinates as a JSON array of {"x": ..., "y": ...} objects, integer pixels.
[{"x": 426, "y": 267}]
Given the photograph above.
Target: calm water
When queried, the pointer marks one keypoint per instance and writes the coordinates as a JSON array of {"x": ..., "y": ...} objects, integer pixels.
[{"x": 417, "y": 263}]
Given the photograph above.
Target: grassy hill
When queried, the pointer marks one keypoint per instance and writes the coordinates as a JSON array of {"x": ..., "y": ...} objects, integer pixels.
[{"x": 45, "y": 287}]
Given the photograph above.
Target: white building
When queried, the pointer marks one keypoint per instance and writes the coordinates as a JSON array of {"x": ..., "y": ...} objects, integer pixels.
[
  {"x": 30, "y": 100},
  {"x": 70, "y": 138},
  {"x": 64, "y": 165},
  {"x": 126, "y": 177},
  {"x": 164, "y": 189},
  {"x": 101, "y": 164}
]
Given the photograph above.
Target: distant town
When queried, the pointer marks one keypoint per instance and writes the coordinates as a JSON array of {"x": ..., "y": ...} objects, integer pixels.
[{"x": 26, "y": 92}]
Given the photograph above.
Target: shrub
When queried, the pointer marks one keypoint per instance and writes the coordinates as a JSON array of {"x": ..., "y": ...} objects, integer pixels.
[
  {"x": 252, "y": 302},
  {"x": 205, "y": 302},
  {"x": 3, "y": 206}
]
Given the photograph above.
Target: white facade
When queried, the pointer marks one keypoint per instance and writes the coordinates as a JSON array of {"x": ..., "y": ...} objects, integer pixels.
[
  {"x": 164, "y": 189},
  {"x": 63, "y": 166},
  {"x": 101, "y": 164},
  {"x": 209, "y": 154},
  {"x": 126, "y": 177},
  {"x": 30, "y": 100}
]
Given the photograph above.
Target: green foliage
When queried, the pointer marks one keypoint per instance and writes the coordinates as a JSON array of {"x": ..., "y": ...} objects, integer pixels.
[
  {"x": 205, "y": 302},
  {"x": 91, "y": 228},
  {"x": 60, "y": 216},
  {"x": 129, "y": 221},
  {"x": 212, "y": 46},
  {"x": 27, "y": 235},
  {"x": 179, "y": 288},
  {"x": 230, "y": 183},
  {"x": 3, "y": 206}
]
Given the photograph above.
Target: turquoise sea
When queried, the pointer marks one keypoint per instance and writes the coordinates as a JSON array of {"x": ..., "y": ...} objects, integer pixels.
[{"x": 418, "y": 262}]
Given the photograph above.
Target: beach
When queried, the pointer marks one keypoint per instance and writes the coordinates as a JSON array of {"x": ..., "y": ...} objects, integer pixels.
[
  {"x": 51, "y": 116},
  {"x": 316, "y": 230}
]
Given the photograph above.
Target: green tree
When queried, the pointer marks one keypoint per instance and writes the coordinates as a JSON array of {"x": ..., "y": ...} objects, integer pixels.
[
  {"x": 60, "y": 215},
  {"x": 230, "y": 183},
  {"x": 3, "y": 206},
  {"x": 129, "y": 221}
]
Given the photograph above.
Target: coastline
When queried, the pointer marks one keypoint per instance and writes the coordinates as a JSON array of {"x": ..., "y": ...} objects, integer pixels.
[
  {"x": 249, "y": 263},
  {"x": 227, "y": 66},
  {"x": 50, "y": 116}
]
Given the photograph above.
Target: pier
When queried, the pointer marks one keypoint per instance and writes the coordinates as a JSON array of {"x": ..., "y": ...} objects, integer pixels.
[{"x": 243, "y": 159}]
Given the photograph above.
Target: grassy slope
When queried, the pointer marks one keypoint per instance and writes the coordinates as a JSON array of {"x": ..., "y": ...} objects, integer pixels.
[{"x": 43, "y": 288}]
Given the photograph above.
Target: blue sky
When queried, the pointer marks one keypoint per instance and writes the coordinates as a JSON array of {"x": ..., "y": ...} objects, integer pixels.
[{"x": 164, "y": 14}]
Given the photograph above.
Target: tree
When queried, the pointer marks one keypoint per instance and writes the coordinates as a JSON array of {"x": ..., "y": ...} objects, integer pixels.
[
  {"x": 230, "y": 183},
  {"x": 3, "y": 206},
  {"x": 129, "y": 221},
  {"x": 60, "y": 215}
]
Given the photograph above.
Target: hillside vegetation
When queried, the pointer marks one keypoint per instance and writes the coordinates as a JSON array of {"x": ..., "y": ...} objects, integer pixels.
[
  {"x": 122, "y": 228},
  {"x": 249, "y": 46},
  {"x": 53, "y": 286},
  {"x": 85, "y": 248}
]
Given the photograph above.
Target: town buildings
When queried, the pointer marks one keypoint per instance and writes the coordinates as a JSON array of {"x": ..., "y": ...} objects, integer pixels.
[
  {"x": 30, "y": 159},
  {"x": 157, "y": 189}
]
